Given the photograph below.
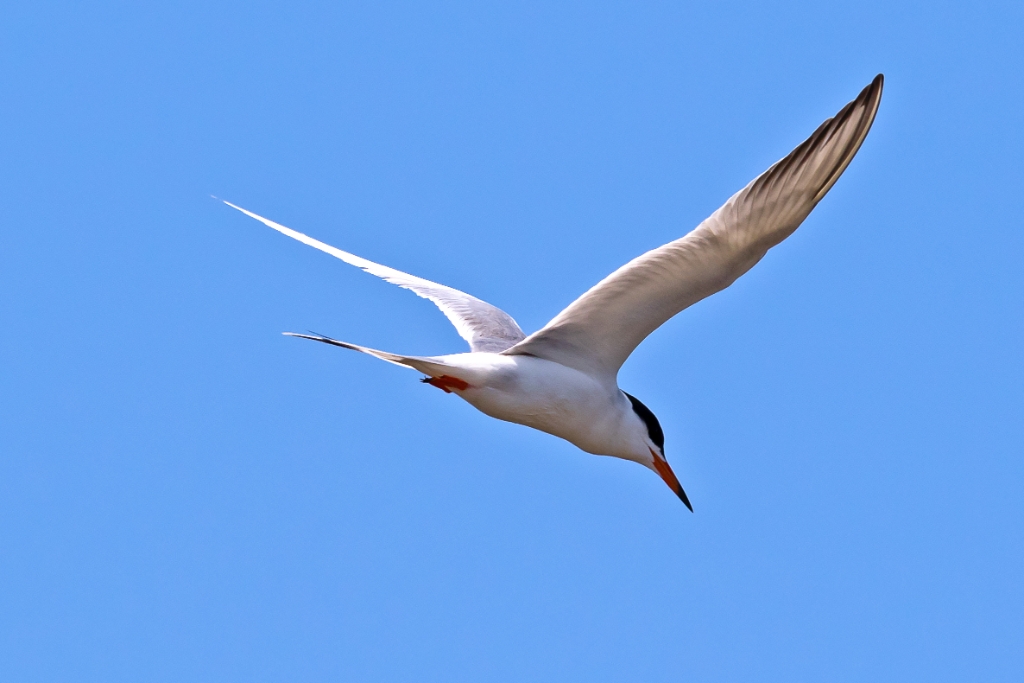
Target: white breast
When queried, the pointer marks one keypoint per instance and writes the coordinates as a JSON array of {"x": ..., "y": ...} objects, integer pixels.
[{"x": 551, "y": 397}]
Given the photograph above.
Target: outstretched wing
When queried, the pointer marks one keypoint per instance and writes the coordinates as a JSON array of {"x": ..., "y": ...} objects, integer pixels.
[
  {"x": 599, "y": 330},
  {"x": 485, "y": 327}
]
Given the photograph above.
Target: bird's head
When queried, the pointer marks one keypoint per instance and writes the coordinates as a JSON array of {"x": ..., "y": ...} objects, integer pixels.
[{"x": 654, "y": 441}]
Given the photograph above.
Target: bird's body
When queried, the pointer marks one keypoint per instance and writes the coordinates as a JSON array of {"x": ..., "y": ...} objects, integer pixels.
[
  {"x": 593, "y": 415},
  {"x": 562, "y": 379}
]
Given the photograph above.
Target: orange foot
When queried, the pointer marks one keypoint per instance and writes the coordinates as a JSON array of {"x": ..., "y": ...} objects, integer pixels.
[{"x": 446, "y": 383}]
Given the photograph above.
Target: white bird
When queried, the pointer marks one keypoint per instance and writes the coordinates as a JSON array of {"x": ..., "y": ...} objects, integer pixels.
[{"x": 562, "y": 379}]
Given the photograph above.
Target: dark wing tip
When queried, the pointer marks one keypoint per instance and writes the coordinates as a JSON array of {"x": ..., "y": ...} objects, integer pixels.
[
  {"x": 858, "y": 115},
  {"x": 862, "y": 110},
  {"x": 872, "y": 93}
]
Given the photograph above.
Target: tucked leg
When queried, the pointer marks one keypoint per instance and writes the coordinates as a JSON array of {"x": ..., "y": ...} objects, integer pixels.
[{"x": 446, "y": 383}]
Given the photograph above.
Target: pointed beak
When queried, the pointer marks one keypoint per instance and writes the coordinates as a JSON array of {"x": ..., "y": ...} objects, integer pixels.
[{"x": 662, "y": 468}]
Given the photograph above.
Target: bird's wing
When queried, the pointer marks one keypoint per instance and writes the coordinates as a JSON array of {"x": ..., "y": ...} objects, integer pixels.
[
  {"x": 485, "y": 327},
  {"x": 599, "y": 330}
]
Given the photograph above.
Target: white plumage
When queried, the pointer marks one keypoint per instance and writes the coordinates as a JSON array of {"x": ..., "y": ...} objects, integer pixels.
[{"x": 562, "y": 379}]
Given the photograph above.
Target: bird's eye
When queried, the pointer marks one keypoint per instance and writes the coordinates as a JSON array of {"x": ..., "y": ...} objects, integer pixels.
[{"x": 653, "y": 427}]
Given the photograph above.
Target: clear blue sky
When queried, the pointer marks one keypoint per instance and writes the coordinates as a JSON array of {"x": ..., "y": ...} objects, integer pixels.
[{"x": 187, "y": 495}]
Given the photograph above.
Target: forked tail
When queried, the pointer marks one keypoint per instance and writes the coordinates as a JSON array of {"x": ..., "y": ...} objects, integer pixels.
[{"x": 428, "y": 366}]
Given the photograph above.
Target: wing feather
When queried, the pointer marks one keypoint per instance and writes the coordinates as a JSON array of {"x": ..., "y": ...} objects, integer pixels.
[
  {"x": 598, "y": 331},
  {"x": 485, "y": 327}
]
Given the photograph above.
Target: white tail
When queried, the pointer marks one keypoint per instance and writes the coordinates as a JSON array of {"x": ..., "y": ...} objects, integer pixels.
[{"x": 428, "y": 366}]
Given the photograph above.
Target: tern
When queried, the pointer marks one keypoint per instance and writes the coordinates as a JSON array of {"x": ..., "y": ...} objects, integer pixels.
[{"x": 562, "y": 379}]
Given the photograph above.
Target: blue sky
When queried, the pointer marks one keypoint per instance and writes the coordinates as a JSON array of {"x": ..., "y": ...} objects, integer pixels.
[{"x": 187, "y": 495}]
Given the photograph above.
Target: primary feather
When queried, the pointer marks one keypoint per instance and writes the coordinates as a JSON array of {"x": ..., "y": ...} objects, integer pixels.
[
  {"x": 598, "y": 331},
  {"x": 485, "y": 327}
]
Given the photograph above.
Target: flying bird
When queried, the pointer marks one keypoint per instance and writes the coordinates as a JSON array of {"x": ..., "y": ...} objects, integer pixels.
[{"x": 562, "y": 379}]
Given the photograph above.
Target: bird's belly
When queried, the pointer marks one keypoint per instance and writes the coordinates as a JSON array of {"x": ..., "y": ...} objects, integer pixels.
[{"x": 554, "y": 399}]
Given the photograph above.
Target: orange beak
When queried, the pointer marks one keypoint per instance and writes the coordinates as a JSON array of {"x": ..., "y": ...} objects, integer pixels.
[{"x": 662, "y": 468}]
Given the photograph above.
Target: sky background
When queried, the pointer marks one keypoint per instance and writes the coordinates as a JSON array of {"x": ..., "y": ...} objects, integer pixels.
[{"x": 187, "y": 495}]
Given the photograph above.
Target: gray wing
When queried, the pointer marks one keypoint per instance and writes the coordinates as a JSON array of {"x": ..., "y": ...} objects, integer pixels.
[
  {"x": 599, "y": 330},
  {"x": 485, "y": 327}
]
